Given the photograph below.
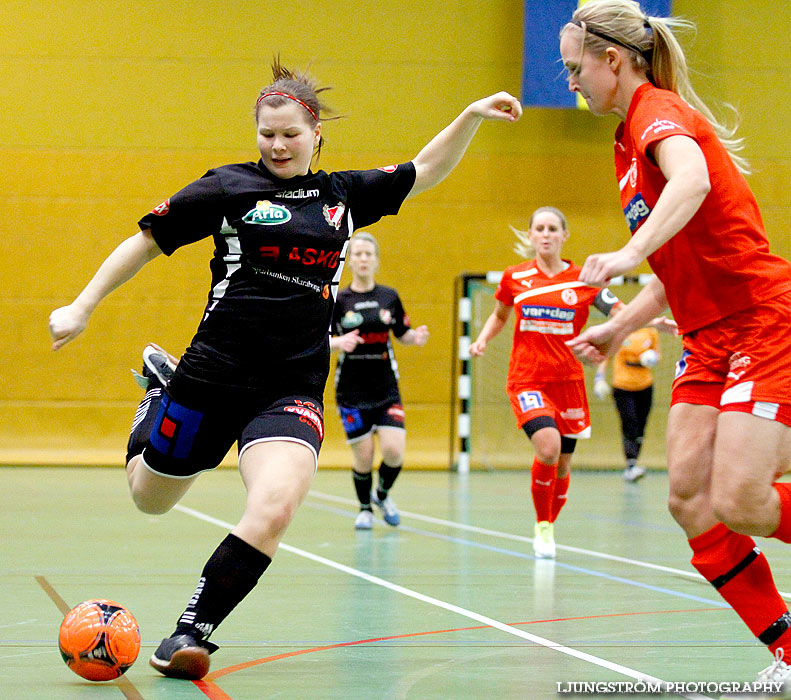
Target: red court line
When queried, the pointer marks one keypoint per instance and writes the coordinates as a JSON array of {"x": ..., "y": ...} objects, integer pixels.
[{"x": 214, "y": 692}]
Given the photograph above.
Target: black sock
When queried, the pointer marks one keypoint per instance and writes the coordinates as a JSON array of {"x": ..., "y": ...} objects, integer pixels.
[
  {"x": 387, "y": 477},
  {"x": 229, "y": 575},
  {"x": 362, "y": 485},
  {"x": 143, "y": 422}
]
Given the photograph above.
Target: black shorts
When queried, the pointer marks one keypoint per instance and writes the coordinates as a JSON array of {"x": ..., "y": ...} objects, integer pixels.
[
  {"x": 192, "y": 435},
  {"x": 360, "y": 422}
]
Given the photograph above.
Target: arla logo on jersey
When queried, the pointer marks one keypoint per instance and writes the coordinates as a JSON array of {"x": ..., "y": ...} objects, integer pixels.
[
  {"x": 352, "y": 319},
  {"x": 334, "y": 215},
  {"x": 267, "y": 213},
  {"x": 636, "y": 211}
]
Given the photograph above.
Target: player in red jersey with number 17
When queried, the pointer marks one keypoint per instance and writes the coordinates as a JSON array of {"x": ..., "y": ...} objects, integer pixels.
[
  {"x": 546, "y": 383},
  {"x": 693, "y": 216}
]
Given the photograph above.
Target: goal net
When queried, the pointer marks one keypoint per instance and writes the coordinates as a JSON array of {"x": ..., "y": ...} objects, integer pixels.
[{"x": 484, "y": 432}]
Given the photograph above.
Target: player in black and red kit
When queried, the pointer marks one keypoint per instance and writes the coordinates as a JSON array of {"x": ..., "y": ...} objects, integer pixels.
[
  {"x": 256, "y": 368},
  {"x": 366, "y": 381}
]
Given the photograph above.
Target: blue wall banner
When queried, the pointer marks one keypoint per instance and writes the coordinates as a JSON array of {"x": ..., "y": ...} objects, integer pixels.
[{"x": 543, "y": 78}]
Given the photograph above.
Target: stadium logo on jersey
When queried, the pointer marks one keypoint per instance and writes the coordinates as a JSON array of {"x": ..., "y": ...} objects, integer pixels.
[
  {"x": 161, "y": 209},
  {"x": 636, "y": 211},
  {"x": 388, "y": 168},
  {"x": 267, "y": 213},
  {"x": 334, "y": 215},
  {"x": 658, "y": 126},
  {"x": 351, "y": 319},
  {"x": 297, "y": 194},
  {"x": 569, "y": 296}
]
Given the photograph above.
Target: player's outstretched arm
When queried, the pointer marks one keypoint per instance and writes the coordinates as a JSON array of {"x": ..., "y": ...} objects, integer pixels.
[
  {"x": 440, "y": 155},
  {"x": 67, "y": 322}
]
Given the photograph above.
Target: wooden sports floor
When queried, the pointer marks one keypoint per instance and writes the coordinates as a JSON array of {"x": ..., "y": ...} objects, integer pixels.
[{"x": 450, "y": 605}]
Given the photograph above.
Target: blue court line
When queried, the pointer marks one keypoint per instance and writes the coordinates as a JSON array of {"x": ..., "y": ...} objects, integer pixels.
[{"x": 523, "y": 555}]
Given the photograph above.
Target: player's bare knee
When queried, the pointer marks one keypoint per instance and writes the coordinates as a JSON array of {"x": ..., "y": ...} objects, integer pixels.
[{"x": 149, "y": 505}]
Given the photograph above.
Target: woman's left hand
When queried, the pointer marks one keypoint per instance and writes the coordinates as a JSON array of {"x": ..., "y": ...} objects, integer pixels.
[{"x": 420, "y": 335}]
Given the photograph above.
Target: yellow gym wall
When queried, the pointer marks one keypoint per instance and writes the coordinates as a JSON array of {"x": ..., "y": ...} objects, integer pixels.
[{"x": 110, "y": 107}]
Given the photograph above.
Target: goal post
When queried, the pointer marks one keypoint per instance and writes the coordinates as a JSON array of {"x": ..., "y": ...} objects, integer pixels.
[{"x": 483, "y": 430}]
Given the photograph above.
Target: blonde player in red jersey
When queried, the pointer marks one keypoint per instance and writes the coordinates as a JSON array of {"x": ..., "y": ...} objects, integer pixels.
[
  {"x": 694, "y": 218},
  {"x": 546, "y": 384}
]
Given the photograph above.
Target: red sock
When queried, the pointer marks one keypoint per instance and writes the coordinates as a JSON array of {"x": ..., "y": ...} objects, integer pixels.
[
  {"x": 542, "y": 486},
  {"x": 783, "y": 532},
  {"x": 559, "y": 498},
  {"x": 739, "y": 571}
]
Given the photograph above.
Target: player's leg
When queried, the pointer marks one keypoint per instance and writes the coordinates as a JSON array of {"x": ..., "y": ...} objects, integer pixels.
[
  {"x": 627, "y": 403},
  {"x": 392, "y": 443},
  {"x": 362, "y": 478},
  {"x": 278, "y": 457},
  {"x": 169, "y": 443},
  {"x": 563, "y": 479},
  {"x": 728, "y": 560},
  {"x": 545, "y": 438},
  {"x": 358, "y": 426}
]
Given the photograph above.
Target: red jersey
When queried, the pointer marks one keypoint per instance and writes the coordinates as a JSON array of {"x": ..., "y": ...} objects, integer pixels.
[
  {"x": 719, "y": 263},
  {"x": 549, "y": 311}
]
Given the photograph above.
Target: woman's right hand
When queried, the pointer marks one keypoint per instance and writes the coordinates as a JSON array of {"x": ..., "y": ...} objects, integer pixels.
[
  {"x": 349, "y": 341},
  {"x": 65, "y": 324},
  {"x": 477, "y": 348}
]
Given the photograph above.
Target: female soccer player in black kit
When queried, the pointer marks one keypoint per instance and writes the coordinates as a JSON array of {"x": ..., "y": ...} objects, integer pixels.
[
  {"x": 366, "y": 381},
  {"x": 256, "y": 368}
]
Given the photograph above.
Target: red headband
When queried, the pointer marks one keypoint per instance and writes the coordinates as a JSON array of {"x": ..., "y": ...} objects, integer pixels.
[{"x": 290, "y": 97}]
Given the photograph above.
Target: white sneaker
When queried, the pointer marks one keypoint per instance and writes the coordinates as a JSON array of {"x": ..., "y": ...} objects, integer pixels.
[
  {"x": 633, "y": 473},
  {"x": 544, "y": 540},
  {"x": 388, "y": 507},
  {"x": 364, "y": 520},
  {"x": 777, "y": 675}
]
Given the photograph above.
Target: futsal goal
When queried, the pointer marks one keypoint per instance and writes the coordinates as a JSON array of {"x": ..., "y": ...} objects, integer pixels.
[{"x": 483, "y": 429}]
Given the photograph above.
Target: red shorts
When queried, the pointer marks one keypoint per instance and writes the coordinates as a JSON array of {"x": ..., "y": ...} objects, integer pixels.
[
  {"x": 566, "y": 402},
  {"x": 740, "y": 363}
]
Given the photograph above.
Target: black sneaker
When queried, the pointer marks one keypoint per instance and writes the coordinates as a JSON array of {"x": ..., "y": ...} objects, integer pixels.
[
  {"x": 158, "y": 367},
  {"x": 182, "y": 656}
]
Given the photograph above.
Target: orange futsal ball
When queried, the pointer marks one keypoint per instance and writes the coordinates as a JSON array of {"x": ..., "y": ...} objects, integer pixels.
[{"x": 99, "y": 639}]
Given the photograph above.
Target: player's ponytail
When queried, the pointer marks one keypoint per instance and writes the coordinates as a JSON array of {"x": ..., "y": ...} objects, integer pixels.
[{"x": 655, "y": 50}]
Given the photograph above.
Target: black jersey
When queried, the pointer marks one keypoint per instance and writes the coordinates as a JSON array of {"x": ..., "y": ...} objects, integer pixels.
[
  {"x": 368, "y": 376},
  {"x": 279, "y": 252}
]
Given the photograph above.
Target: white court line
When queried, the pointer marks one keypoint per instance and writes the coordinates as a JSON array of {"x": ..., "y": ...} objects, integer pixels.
[
  {"x": 519, "y": 538},
  {"x": 490, "y": 622}
]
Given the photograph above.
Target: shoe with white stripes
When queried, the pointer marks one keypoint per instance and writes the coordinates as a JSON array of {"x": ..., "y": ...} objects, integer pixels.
[
  {"x": 158, "y": 367},
  {"x": 183, "y": 656},
  {"x": 388, "y": 507}
]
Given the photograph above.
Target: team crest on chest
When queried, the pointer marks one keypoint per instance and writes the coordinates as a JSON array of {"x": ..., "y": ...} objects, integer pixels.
[
  {"x": 334, "y": 215},
  {"x": 569, "y": 297},
  {"x": 267, "y": 213}
]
